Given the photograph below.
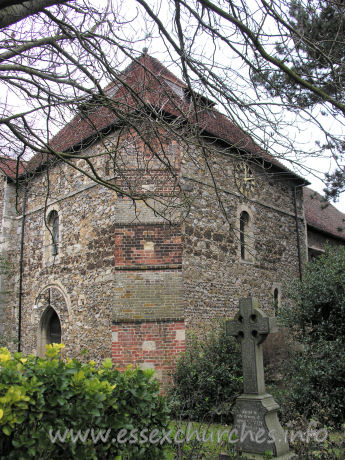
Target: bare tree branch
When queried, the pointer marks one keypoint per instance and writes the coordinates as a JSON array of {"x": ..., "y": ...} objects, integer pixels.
[
  {"x": 14, "y": 11},
  {"x": 71, "y": 66}
]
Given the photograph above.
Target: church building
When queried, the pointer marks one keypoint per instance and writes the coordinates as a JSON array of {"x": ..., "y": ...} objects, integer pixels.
[{"x": 214, "y": 218}]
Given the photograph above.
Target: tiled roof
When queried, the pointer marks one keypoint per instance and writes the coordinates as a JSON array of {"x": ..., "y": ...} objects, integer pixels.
[
  {"x": 153, "y": 84},
  {"x": 144, "y": 77},
  {"x": 11, "y": 168},
  {"x": 322, "y": 215}
]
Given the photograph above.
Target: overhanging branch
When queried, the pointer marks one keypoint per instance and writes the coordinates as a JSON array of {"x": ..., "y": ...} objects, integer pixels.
[{"x": 13, "y": 11}]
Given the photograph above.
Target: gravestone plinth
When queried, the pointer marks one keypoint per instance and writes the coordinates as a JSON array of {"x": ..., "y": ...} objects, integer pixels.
[{"x": 255, "y": 411}]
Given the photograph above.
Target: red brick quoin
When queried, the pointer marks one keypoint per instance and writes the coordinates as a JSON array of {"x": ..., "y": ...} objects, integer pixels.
[
  {"x": 152, "y": 245},
  {"x": 153, "y": 345}
]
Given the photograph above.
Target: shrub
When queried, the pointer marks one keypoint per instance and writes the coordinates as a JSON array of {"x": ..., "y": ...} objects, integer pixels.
[
  {"x": 315, "y": 374},
  {"x": 39, "y": 396},
  {"x": 315, "y": 385},
  {"x": 316, "y": 309},
  {"x": 276, "y": 351},
  {"x": 208, "y": 377},
  {"x": 323, "y": 444}
]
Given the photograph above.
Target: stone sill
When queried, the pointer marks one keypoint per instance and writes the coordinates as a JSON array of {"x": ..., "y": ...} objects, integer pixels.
[
  {"x": 51, "y": 261},
  {"x": 248, "y": 262}
]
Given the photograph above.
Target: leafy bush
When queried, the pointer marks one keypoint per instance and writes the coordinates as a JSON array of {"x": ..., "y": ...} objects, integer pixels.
[
  {"x": 208, "y": 377},
  {"x": 39, "y": 396},
  {"x": 315, "y": 384},
  {"x": 316, "y": 309},
  {"x": 315, "y": 373}
]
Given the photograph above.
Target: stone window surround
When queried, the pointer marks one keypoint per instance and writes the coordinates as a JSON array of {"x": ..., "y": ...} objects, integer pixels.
[
  {"x": 250, "y": 259},
  {"x": 48, "y": 257}
]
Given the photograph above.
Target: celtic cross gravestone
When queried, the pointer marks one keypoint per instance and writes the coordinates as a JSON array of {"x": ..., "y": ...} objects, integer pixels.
[{"x": 256, "y": 419}]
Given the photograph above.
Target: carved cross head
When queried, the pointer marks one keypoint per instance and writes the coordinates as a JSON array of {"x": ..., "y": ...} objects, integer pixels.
[{"x": 250, "y": 323}]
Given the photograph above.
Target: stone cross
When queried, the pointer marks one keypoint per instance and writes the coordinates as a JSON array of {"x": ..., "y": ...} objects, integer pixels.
[
  {"x": 251, "y": 326},
  {"x": 255, "y": 411}
]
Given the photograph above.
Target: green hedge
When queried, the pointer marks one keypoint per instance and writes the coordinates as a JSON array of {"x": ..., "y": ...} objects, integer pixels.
[
  {"x": 316, "y": 306},
  {"x": 315, "y": 384},
  {"x": 208, "y": 377},
  {"x": 314, "y": 377},
  {"x": 38, "y": 395}
]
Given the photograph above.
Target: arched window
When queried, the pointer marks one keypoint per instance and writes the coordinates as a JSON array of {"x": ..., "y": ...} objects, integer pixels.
[
  {"x": 276, "y": 300},
  {"x": 53, "y": 223},
  {"x": 244, "y": 223},
  {"x": 277, "y": 297}
]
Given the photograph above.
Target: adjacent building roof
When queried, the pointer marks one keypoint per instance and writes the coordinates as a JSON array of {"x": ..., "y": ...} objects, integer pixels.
[{"x": 322, "y": 215}]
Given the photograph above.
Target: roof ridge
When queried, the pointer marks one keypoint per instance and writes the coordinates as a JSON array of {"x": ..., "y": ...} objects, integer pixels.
[{"x": 211, "y": 121}]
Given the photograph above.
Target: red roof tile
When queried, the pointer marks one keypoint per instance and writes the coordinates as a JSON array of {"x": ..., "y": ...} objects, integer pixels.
[
  {"x": 322, "y": 215},
  {"x": 147, "y": 82},
  {"x": 11, "y": 168}
]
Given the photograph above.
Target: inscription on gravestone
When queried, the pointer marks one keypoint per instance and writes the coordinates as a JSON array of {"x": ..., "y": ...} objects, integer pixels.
[
  {"x": 256, "y": 419},
  {"x": 251, "y": 418}
]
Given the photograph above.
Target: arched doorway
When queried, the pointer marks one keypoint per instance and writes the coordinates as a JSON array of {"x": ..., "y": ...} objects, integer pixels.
[
  {"x": 53, "y": 315},
  {"x": 50, "y": 329}
]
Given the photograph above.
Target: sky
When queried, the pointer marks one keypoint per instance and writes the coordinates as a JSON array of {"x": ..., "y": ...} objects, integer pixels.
[
  {"x": 298, "y": 133},
  {"x": 303, "y": 133}
]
